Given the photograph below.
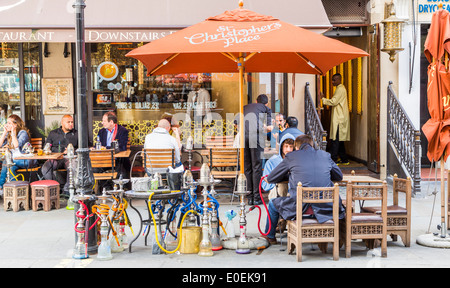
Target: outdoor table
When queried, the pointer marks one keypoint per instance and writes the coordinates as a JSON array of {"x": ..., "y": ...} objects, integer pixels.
[
  {"x": 123, "y": 154},
  {"x": 160, "y": 194},
  {"x": 359, "y": 179},
  {"x": 52, "y": 156}
]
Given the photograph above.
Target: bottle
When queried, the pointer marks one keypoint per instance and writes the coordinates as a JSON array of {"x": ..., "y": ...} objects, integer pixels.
[{"x": 98, "y": 144}]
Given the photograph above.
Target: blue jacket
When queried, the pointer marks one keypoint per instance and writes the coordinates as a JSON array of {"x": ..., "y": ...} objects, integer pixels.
[
  {"x": 313, "y": 168},
  {"x": 272, "y": 163},
  {"x": 291, "y": 130}
]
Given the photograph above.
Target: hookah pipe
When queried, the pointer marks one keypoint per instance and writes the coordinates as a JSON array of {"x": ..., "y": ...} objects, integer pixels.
[
  {"x": 103, "y": 209},
  {"x": 259, "y": 208},
  {"x": 121, "y": 208},
  {"x": 211, "y": 199},
  {"x": 154, "y": 224},
  {"x": 84, "y": 218}
]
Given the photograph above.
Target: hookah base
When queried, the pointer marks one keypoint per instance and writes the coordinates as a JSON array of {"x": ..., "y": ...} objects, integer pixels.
[
  {"x": 217, "y": 248},
  {"x": 80, "y": 256},
  {"x": 254, "y": 243}
]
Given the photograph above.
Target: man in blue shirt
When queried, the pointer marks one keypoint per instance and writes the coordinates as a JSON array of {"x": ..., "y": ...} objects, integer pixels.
[{"x": 291, "y": 128}]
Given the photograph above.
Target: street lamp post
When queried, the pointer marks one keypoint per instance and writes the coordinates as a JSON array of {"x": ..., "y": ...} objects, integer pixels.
[{"x": 84, "y": 178}]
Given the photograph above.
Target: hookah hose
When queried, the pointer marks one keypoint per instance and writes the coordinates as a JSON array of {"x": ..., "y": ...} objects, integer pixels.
[
  {"x": 23, "y": 178},
  {"x": 267, "y": 210},
  {"x": 154, "y": 224},
  {"x": 103, "y": 209},
  {"x": 123, "y": 204}
]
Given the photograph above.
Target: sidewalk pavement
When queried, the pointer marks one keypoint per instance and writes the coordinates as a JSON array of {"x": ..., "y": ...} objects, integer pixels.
[{"x": 46, "y": 239}]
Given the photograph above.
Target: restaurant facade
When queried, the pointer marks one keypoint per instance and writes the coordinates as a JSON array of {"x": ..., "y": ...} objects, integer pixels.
[{"x": 37, "y": 69}]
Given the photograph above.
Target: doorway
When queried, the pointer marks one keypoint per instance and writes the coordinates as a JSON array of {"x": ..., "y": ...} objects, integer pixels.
[{"x": 360, "y": 78}]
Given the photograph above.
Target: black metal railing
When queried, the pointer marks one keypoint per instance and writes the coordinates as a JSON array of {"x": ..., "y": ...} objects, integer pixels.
[
  {"x": 313, "y": 126},
  {"x": 403, "y": 136}
]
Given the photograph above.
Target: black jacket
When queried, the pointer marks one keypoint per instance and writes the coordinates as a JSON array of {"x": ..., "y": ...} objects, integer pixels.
[
  {"x": 60, "y": 140},
  {"x": 121, "y": 137}
]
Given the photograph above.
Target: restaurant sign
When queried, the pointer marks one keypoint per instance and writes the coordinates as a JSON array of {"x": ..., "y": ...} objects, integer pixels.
[
  {"x": 230, "y": 35},
  {"x": 91, "y": 35}
]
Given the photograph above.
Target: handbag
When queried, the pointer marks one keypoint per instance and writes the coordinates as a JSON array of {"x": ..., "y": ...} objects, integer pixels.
[{"x": 139, "y": 184}]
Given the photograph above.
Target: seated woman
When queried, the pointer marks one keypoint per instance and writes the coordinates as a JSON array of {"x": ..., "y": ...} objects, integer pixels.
[{"x": 14, "y": 136}]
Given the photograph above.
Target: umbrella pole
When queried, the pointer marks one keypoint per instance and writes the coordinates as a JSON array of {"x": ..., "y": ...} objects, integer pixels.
[
  {"x": 443, "y": 196},
  {"x": 241, "y": 112}
]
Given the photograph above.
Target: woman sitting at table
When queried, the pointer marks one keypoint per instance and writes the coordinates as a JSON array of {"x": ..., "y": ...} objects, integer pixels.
[{"x": 14, "y": 136}]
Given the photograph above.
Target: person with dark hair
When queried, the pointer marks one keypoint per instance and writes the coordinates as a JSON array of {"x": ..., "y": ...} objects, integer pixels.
[
  {"x": 112, "y": 131},
  {"x": 278, "y": 126},
  {"x": 340, "y": 122},
  {"x": 311, "y": 167},
  {"x": 60, "y": 139},
  {"x": 258, "y": 121},
  {"x": 291, "y": 127}
]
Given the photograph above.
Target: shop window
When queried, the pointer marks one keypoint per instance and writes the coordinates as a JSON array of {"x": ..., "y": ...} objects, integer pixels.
[
  {"x": 121, "y": 83},
  {"x": 9, "y": 81},
  {"x": 271, "y": 84}
]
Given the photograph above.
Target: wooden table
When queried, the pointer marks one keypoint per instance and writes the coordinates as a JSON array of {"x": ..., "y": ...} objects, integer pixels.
[
  {"x": 358, "y": 179},
  {"x": 52, "y": 156},
  {"x": 123, "y": 154}
]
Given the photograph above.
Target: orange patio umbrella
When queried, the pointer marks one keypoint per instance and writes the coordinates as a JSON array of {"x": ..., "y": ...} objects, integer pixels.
[
  {"x": 242, "y": 40},
  {"x": 437, "y": 128}
]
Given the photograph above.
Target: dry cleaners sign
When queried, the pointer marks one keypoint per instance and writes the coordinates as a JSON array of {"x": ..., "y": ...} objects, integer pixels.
[{"x": 431, "y": 6}]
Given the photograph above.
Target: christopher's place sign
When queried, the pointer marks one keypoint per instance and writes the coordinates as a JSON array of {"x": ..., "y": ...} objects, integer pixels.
[{"x": 230, "y": 35}]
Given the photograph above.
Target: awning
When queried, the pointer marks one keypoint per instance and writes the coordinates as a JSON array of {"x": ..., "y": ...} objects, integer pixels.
[{"x": 136, "y": 20}]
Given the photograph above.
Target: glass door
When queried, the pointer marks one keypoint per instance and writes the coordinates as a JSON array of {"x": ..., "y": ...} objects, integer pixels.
[{"x": 32, "y": 87}]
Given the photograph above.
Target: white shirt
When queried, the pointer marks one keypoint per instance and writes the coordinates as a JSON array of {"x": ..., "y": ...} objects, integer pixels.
[{"x": 161, "y": 139}]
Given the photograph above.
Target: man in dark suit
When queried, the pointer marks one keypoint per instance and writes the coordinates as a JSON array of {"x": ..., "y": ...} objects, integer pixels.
[
  {"x": 311, "y": 167},
  {"x": 112, "y": 131},
  {"x": 258, "y": 121}
]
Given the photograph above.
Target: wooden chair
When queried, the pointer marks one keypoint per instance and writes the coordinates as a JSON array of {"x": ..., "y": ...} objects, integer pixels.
[
  {"x": 37, "y": 144},
  {"x": 366, "y": 226},
  {"x": 158, "y": 160},
  {"x": 103, "y": 159},
  {"x": 308, "y": 230},
  {"x": 223, "y": 163},
  {"x": 398, "y": 217},
  {"x": 219, "y": 142}
]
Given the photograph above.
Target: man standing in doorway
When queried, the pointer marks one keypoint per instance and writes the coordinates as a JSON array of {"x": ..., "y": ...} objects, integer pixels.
[
  {"x": 340, "y": 122},
  {"x": 258, "y": 121}
]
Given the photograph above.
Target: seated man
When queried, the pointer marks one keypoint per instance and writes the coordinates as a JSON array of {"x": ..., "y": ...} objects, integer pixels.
[
  {"x": 291, "y": 128},
  {"x": 280, "y": 190},
  {"x": 286, "y": 146},
  {"x": 112, "y": 131},
  {"x": 311, "y": 167},
  {"x": 161, "y": 139},
  {"x": 60, "y": 139}
]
